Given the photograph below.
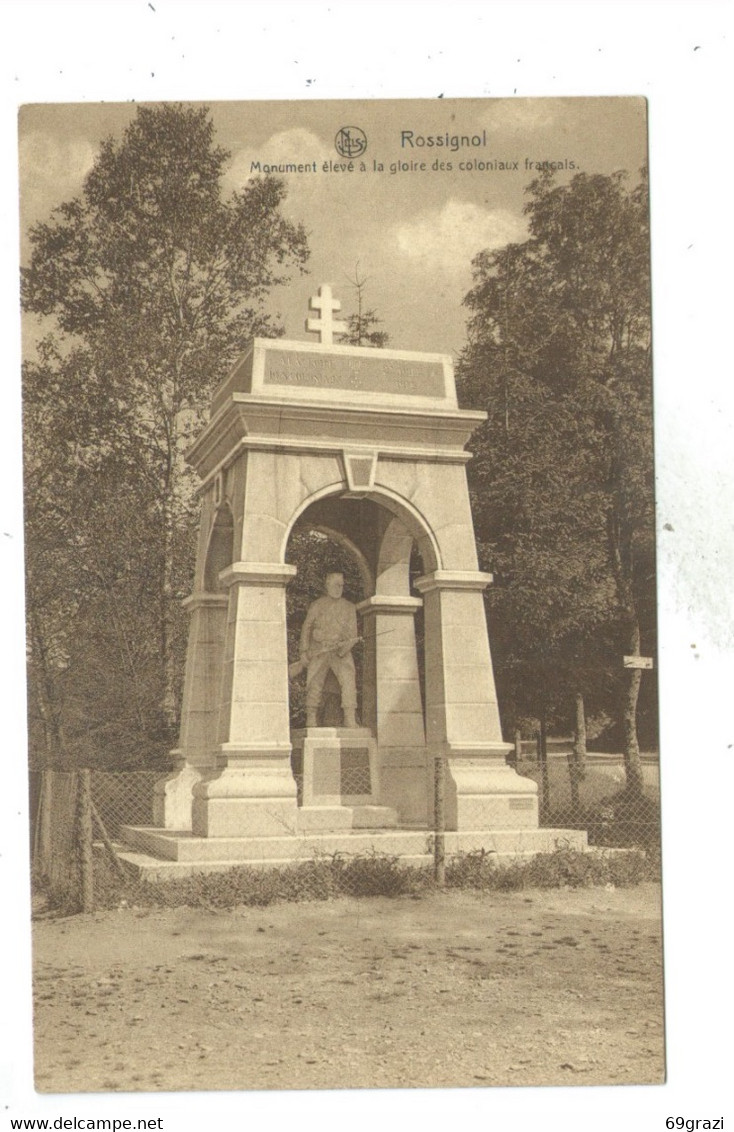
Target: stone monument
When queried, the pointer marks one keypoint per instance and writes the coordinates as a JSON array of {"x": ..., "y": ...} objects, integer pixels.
[
  {"x": 367, "y": 445},
  {"x": 328, "y": 636},
  {"x": 335, "y": 765}
]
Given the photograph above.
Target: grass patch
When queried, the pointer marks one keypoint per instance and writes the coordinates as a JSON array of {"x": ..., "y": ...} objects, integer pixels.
[
  {"x": 323, "y": 878},
  {"x": 625, "y": 819},
  {"x": 612, "y": 815},
  {"x": 63, "y": 898},
  {"x": 565, "y": 868},
  {"x": 373, "y": 874}
]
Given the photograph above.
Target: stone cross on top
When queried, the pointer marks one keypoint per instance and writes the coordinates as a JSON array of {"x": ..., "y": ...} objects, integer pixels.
[{"x": 325, "y": 326}]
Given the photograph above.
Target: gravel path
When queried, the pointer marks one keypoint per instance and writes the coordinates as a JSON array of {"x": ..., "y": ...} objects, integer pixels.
[{"x": 530, "y": 988}]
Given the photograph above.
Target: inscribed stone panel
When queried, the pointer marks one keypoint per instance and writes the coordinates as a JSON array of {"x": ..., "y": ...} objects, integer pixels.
[
  {"x": 326, "y": 771},
  {"x": 366, "y": 375}
]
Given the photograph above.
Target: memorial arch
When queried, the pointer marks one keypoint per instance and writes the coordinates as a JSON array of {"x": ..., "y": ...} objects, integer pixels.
[{"x": 368, "y": 446}]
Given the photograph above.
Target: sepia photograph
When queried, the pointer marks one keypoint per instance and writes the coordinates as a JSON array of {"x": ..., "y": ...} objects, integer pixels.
[
  {"x": 340, "y": 566},
  {"x": 366, "y": 555}
]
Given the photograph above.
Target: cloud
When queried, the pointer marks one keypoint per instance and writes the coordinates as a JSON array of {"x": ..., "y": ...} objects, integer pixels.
[
  {"x": 448, "y": 238},
  {"x": 298, "y": 146},
  {"x": 521, "y": 115},
  {"x": 52, "y": 170}
]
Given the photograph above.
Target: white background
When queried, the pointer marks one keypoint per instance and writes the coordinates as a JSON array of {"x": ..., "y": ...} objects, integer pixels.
[{"x": 679, "y": 55}]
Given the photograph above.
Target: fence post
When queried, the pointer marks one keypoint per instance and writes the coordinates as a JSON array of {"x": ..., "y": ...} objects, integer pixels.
[
  {"x": 439, "y": 820},
  {"x": 543, "y": 759},
  {"x": 84, "y": 838},
  {"x": 102, "y": 831},
  {"x": 42, "y": 847}
]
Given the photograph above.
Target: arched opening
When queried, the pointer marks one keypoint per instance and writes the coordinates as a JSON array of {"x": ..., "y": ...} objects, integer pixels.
[
  {"x": 315, "y": 552},
  {"x": 365, "y": 519},
  {"x": 220, "y": 551},
  {"x": 380, "y": 555}
]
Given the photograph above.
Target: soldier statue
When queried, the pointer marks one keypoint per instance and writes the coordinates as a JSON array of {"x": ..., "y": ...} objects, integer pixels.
[{"x": 328, "y": 636}]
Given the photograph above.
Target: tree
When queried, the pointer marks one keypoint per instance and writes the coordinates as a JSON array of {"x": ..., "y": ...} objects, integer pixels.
[
  {"x": 559, "y": 354},
  {"x": 364, "y": 322},
  {"x": 153, "y": 283}
]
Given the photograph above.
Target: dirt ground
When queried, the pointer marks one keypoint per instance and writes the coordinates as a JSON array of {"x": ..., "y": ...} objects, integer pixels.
[{"x": 453, "y": 989}]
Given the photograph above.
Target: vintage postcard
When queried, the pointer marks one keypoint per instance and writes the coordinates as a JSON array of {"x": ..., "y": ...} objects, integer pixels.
[{"x": 340, "y": 567}]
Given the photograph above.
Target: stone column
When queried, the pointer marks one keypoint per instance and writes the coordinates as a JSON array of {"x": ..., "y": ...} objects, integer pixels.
[
  {"x": 254, "y": 793},
  {"x": 462, "y": 716},
  {"x": 391, "y": 702},
  {"x": 195, "y": 754}
]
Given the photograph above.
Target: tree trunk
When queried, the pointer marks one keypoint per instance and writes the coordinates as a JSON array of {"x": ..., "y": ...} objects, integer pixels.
[
  {"x": 620, "y": 542},
  {"x": 632, "y": 763},
  {"x": 577, "y": 758},
  {"x": 125, "y": 651},
  {"x": 46, "y": 697},
  {"x": 44, "y": 830},
  {"x": 168, "y": 700},
  {"x": 579, "y": 736},
  {"x": 517, "y": 737},
  {"x": 543, "y": 760},
  {"x": 84, "y": 841}
]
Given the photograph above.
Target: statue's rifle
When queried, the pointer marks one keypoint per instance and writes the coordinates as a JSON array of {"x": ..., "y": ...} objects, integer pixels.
[{"x": 299, "y": 666}]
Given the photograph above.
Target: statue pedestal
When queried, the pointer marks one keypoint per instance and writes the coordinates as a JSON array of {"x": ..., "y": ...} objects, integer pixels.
[{"x": 336, "y": 772}]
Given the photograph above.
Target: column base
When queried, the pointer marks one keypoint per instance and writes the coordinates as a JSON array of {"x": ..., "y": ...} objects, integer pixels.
[
  {"x": 483, "y": 792},
  {"x": 173, "y": 796},
  {"x": 253, "y": 795}
]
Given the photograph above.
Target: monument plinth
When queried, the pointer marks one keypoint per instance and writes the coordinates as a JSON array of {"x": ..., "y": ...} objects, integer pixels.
[
  {"x": 367, "y": 444},
  {"x": 337, "y": 771}
]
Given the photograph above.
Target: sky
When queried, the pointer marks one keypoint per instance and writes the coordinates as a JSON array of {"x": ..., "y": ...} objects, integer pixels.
[{"x": 410, "y": 233}]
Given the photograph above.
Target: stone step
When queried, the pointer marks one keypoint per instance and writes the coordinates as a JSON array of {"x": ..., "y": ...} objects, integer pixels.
[
  {"x": 328, "y": 819},
  {"x": 172, "y": 846},
  {"x": 153, "y": 870},
  {"x": 177, "y": 846},
  {"x": 373, "y": 817}
]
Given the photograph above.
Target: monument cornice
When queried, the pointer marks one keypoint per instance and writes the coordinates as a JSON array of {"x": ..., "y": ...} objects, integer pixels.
[
  {"x": 395, "y": 432},
  {"x": 204, "y": 600},
  {"x": 453, "y": 580},
  {"x": 257, "y": 573},
  {"x": 389, "y": 603}
]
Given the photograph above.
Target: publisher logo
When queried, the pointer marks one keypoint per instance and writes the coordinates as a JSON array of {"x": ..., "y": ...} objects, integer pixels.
[{"x": 350, "y": 142}]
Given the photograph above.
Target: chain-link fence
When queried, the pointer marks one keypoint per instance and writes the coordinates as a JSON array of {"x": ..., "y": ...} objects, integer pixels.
[
  {"x": 79, "y": 816},
  {"x": 124, "y": 797},
  {"x": 74, "y": 811},
  {"x": 594, "y": 792}
]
